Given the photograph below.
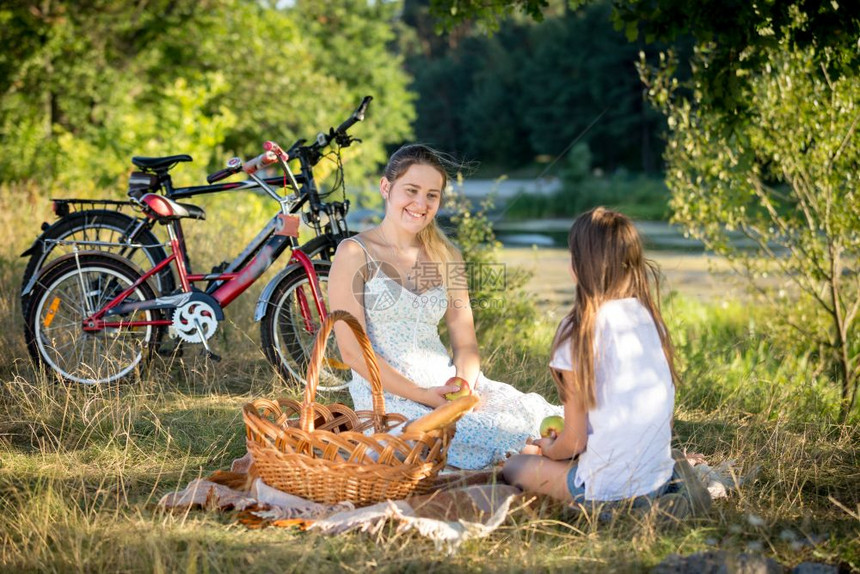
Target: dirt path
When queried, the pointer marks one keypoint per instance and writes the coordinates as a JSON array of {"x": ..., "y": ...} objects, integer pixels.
[{"x": 693, "y": 275}]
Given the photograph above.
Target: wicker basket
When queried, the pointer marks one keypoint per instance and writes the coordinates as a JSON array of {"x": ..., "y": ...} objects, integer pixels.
[{"x": 322, "y": 453}]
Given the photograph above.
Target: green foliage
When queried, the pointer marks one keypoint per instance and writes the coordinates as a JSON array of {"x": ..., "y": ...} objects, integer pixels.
[
  {"x": 489, "y": 14},
  {"x": 532, "y": 90},
  {"x": 577, "y": 165},
  {"x": 733, "y": 37},
  {"x": 729, "y": 358},
  {"x": 499, "y": 301},
  {"x": 350, "y": 41},
  {"x": 637, "y": 195},
  {"x": 786, "y": 179},
  {"x": 94, "y": 84}
]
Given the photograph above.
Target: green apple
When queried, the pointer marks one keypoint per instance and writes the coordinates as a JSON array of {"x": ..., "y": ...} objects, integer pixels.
[
  {"x": 463, "y": 391},
  {"x": 551, "y": 426}
]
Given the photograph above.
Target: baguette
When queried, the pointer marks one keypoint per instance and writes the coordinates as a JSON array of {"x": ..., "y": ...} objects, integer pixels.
[{"x": 442, "y": 416}]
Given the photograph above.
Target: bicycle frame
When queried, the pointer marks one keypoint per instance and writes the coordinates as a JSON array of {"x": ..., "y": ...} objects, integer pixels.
[
  {"x": 113, "y": 312},
  {"x": 278, "y": 234},
  {"x": 308, "y": 194}
]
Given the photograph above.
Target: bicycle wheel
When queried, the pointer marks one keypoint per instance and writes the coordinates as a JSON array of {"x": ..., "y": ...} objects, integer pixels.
[
  {"x": 69, "y": 291},
  {"x": 324, "y": 246},
  {"x": 97, "y": 225},
  {"x": 288, "y": 333}
]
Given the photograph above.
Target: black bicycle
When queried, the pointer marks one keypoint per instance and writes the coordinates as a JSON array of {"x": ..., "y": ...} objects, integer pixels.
[{"x": 106, "y": 224}]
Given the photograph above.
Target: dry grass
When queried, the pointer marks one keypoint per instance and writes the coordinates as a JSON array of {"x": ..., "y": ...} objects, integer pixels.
[{"x": 81, "y": 468}]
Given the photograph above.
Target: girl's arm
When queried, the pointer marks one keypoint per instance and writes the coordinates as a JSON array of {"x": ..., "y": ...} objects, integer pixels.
[
  {"x": 574, "y": 436},
  {"x": 345, "y": 291},
  {"x": 461, "y": 326}
]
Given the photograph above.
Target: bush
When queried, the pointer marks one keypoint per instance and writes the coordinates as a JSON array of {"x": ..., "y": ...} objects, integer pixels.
[
  {"x": 499, "y": 301},
  {"x": 729, "y": 359}
]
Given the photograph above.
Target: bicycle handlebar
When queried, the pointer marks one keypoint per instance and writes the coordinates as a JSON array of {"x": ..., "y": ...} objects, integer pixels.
[
  {"x": 259, "y": 162},
  {"x": 234, "y": 165},
  {"x": 276, "y": 149},
  {"x": 337, "y": 134},
  {"x": 357, "y": 116}
]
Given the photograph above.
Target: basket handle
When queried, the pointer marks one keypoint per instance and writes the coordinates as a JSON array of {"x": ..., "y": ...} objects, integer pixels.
[{"x": 318, "y": 355}]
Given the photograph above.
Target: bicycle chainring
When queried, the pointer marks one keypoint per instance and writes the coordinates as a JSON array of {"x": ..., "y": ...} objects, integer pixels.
[{"x": 187, "y": 317}]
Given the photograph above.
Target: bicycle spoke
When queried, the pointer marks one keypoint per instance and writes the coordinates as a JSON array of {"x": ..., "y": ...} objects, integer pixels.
[
  {"x": 57, "y": 325},
  {"x": 64, "y": 346},
  {"x": 97, "y": 356},
  {"x": 68, "y": 298}
]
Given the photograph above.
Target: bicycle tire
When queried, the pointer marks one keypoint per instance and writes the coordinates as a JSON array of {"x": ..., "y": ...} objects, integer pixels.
[
  {"x": 285, "y": 340},
  {"x": 65, "y": 293},
  {"x": 92, "y": 221},
  {"x": 324, "y": 246}
]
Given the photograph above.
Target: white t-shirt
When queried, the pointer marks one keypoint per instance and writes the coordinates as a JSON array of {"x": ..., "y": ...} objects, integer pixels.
[{"x": 628, "y": 452}]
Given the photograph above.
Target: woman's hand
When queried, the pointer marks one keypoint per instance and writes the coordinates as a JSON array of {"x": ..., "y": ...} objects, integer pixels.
[{"x": 436, "y": 395}]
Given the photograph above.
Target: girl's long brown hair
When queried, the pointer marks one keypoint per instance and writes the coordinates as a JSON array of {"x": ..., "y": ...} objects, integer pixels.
[
  {"x": 438, "y": 246},
  {"x": 607, "y": 259}
]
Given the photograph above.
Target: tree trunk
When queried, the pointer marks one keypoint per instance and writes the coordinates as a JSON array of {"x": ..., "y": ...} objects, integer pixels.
[
  {"x": 49, "y": 103},
  {"x": 843, "y": 360}
]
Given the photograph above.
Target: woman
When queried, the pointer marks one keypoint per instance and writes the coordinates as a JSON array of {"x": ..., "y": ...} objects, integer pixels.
[{"x": 399, "y": 280}]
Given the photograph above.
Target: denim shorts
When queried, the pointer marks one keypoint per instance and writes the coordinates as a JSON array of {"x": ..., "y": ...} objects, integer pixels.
[{"x": 577, "y": 493}]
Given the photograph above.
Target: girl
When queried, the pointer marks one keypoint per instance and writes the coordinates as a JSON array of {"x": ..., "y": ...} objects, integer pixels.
[
  {"x": 400, "y": 279},
  {"x": 613, "y": 366}
]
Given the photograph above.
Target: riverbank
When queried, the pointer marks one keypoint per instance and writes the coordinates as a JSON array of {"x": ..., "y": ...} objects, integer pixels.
[{"x": 700, "y": 276}]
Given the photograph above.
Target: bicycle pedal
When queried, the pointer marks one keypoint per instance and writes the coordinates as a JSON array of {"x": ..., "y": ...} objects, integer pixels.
[{"x": 215, "y": 358}]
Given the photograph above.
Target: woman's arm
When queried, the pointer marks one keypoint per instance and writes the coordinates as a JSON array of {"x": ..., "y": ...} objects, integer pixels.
[
  {"x": 461, "y": 328},
  {"x": 574, "y": 436},
  {"x": 345, "y": 289}
]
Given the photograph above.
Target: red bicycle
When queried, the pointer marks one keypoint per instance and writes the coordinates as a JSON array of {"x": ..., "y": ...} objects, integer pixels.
[
  {"x": 94, "y": 316},
  {"x": 106, "y": 225}
]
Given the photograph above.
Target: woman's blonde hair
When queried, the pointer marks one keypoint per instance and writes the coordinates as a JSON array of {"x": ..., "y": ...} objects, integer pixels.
[
  {"x": 435, "y": 243},
  {"x": 608, "y": 262}
]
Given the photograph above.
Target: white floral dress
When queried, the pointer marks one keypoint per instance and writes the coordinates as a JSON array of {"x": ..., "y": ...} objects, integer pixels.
[{"x": 403, "y": 329}]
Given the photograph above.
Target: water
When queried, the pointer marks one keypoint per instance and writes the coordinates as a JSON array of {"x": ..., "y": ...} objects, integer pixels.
[{"x": 657, "y": 235}]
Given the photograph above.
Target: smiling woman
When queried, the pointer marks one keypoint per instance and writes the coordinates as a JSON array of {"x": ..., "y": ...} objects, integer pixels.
[
  {"x": 412, "y": 184},
  {"x": 400, "y": 279}
]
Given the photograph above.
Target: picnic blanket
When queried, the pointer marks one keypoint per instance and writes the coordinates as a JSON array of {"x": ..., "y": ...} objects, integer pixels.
[{"x": 466, "y": 505}]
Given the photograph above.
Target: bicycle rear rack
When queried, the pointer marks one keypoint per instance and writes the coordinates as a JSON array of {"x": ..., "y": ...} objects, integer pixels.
[
  {"x": 63, "y": 207},
  {"x": 86, "y": 243}
]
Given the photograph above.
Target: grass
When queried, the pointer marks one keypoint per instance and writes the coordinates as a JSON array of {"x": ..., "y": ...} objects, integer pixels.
[{"x": 82, "y": 468}]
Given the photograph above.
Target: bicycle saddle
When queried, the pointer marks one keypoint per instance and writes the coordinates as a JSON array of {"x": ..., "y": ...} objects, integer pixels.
[
  {"x": 164, "y": 209},
  {"x": 159, "y": 163}
]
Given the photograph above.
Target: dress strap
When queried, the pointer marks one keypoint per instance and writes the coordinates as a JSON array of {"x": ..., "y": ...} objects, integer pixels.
[{"x": 367, "y": 256}]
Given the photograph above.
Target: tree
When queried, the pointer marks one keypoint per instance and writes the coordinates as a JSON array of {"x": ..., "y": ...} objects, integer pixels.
[
  {"x": 786, "y": 179},
  {"x": 762, "y": 142},
  {"x": 350, "y": 40},
  {"x": 88, "y": 84},
  {"x": 86, "y": 87},
  {"x": 579, "y": 70},
  {"x": 531, "y": 89},
  {"x": 732, "y": 39},
  {"x": 734, "y": 36},
  {"x": 488, "y": 12}
]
